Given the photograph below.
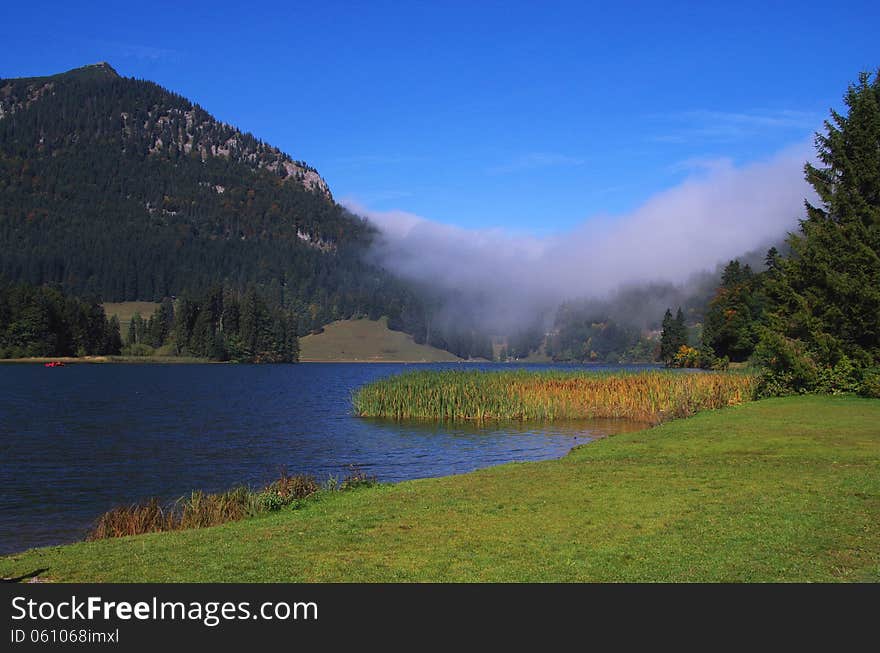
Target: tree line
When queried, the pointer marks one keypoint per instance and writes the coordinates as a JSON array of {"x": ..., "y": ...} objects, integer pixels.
[
  {"x": 811, "y": 319},
  {"x": 43, "y": 321},
  {"x": 222, "y": 324}
]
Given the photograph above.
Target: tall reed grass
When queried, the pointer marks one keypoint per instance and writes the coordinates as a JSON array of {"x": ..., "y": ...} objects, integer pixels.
[
  {"x": 201, "y": 510},
  {"x": 549, "y": 395}
]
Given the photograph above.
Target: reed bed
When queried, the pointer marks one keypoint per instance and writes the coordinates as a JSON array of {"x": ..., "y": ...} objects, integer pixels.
[
  {"x": 201, "y": 510},
  {"x": 650, "y": 397}
]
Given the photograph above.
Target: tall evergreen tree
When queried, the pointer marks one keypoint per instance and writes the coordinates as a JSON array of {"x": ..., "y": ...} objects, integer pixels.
[
  {"x": 681, "y": 333},
  {"x": 113, "y": 338},
  {"x": 826, "y": 295},
  {"x": 731, "y": 325},
  {"x": 673, "y": 335}
]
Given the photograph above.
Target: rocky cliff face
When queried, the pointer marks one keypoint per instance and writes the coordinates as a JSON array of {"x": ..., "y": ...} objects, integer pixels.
[{"x": 147, "y": 117}]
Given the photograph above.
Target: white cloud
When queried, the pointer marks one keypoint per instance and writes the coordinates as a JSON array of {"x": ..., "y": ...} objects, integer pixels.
[{"x": 719, "y": 212}]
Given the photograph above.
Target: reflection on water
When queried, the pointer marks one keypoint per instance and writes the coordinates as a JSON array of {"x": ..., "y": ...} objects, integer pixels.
[
  {"x": 457, "y": 447},
  {"x": 76, "y": 441}
]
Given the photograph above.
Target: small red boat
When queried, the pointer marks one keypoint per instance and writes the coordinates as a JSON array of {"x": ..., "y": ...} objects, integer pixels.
[{"x": 55, "y": 364}]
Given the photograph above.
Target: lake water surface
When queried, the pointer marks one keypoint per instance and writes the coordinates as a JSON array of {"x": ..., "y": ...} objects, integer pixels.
[{"x": 78, "y": 440}]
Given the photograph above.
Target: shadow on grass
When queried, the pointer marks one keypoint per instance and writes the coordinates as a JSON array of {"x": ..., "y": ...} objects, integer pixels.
[{"x": 24, "y": 577}]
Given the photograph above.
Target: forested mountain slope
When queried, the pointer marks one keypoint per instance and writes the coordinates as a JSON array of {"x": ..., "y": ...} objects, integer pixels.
[{"x": 120, "y": 189}]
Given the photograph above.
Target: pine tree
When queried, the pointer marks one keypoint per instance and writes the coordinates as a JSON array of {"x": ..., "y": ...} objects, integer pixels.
[
  {"x": 673, "y": 335},
  {"x": 681, "y": 332},
  {"x": 136, "y": 329},
  {"x": 112, "y": 339},
  {"x": 731, "y": 325},
  {"x": 833, "y": 277},
  {"x": 131, "y": 338},
  {"x": 667, "y": 338},
  {"x": 826, "y": 296}
]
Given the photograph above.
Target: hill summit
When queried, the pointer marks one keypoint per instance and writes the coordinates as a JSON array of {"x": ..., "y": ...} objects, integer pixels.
[{"x": 118, "y": 188}]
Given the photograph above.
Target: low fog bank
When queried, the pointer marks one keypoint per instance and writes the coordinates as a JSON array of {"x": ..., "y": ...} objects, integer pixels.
[{"x": 633, "y": 265}]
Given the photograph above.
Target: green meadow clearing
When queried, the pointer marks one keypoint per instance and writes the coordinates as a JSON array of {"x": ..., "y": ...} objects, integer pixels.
[
  {"x": 367, "y": 341},
  {"x": 774, "y": 490},
  {"x": 124, "y": 311}
]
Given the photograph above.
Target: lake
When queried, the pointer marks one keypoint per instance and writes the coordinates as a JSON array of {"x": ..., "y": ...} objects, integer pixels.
[{"x": 78, "y": 440}]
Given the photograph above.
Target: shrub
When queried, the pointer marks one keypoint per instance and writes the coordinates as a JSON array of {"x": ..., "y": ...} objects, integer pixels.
[
  {"x": 844, "y": 377},
  {"x": 137, "y": 349},
  {"x": 357, "y": 478},
  {"x": 270, "y": 501},
  {"x": 686, "y": 356},
  {"x": 720, "y": 364},
  {"x": 787, "y": 366},
  {"x": 289, "y": 487},
  {"x": 870, "y": 385},
  {"x": 168, "y": 350}
]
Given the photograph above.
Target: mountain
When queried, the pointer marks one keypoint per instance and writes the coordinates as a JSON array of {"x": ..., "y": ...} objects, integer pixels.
[
  {"x": 117, "y": 188},
  {"x": 167, "y": 122}
]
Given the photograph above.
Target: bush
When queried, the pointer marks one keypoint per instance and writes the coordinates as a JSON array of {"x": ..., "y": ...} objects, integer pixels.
[
  {"x": 166, "y": 350},
  {"x": 290, "y": 488},
  {"x": 270, "y": 501},
  {"x": 844, "y": 377},
  {"x": 720, "y": 364},
  {"x": 870, "y": 385},
  {"x": 137, "y": 349},
  {"x": 357, "y": 478},
  {"x": 787, "y": 366},
  {"x": 686, "y": 357}
]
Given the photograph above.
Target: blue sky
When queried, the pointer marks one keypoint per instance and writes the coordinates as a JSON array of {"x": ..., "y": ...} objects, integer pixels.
[{"x": 527, "y": 116}]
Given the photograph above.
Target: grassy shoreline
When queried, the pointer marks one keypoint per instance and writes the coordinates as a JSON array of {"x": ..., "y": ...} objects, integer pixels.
[
  {"x": 101, "y": 360},
  {"x": 203, "y": 510},
  {"x": 773, "y": 490}
]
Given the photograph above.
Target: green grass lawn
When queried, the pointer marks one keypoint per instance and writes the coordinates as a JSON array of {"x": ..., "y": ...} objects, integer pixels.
[
  {"x": 367, "y": 341},
  {"x": 126, "y": 310},
  {"x": 775, "y": 490}
]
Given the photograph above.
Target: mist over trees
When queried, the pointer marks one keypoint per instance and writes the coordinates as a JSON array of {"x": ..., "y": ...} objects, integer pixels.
[
  {"x": 811, "y": 318},
  {"x": 118, "y": 189},
  {"x": 626, "y": 325}
]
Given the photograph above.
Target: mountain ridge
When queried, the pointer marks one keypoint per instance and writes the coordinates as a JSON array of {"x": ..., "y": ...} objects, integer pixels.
[
  {"x": 119, "y": 189},
  {"x": 187, "y": 124}
]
